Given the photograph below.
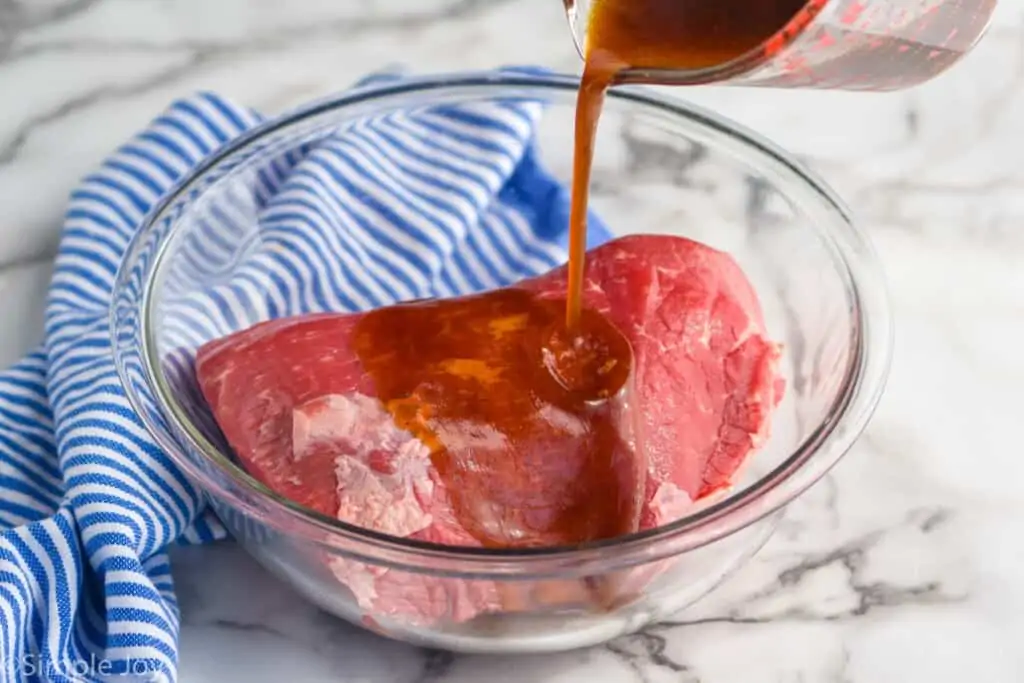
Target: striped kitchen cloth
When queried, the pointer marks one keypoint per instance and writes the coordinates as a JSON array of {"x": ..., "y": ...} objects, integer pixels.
[{"x": 433, "y": 203}]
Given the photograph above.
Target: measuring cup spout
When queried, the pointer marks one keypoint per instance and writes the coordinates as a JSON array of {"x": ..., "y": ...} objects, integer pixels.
[{"x": 835, "y": 44}]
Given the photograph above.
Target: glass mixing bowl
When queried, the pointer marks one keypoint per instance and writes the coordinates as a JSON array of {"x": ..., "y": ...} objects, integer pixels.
[{"x": 662, "y": 166}]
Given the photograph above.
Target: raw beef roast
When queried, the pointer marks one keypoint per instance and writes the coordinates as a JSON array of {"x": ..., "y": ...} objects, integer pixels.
[{"x": 296, "y": 404}]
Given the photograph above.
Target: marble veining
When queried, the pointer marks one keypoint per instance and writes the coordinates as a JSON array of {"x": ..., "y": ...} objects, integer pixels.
[{"x": 906, "y": 564}]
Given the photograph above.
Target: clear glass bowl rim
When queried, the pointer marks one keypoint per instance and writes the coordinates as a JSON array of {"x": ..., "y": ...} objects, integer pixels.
[{"x": 862, "y": 388}]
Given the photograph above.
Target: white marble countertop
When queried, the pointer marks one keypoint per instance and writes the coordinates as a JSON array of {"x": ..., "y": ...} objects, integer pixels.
[{"x": 906, "y": 565}]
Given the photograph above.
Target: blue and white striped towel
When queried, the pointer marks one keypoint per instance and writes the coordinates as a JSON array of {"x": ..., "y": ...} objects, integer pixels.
[{"x": 441, "y": 203}]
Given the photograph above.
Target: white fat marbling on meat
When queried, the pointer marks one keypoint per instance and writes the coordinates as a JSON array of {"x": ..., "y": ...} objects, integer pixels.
[
  {"x": 382, "y": 471},
  {"x": 384, "y": 484},
  {"x": 328, "y": 419},
  {"x": 670, "y": 503},
  {"x": 377, "y": 501}
]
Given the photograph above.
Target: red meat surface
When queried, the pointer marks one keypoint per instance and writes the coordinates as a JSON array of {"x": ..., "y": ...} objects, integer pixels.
[{"x": 300, "y": 412}]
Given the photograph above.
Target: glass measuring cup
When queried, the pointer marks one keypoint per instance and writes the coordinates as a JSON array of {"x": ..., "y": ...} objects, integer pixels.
[{"x": 839, "y": 44}]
